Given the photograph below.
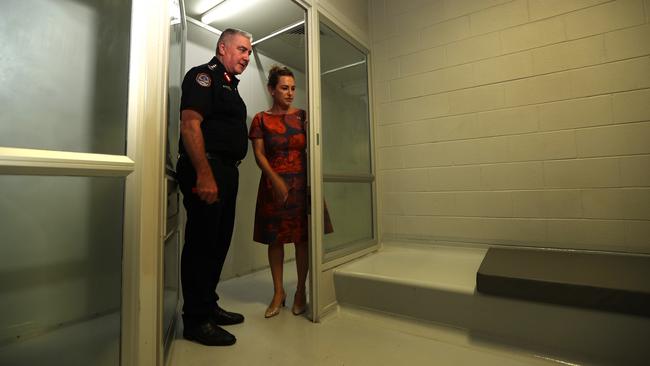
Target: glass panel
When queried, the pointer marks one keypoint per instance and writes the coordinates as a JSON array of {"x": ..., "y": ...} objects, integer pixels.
[
  {"x": 344, "y": 94},
  {"x": 347, "y": 169},
  {"x": 171, "y": 245},
  {"x": 350, "y": 210},
  {"x": 175, "y": 79},
  {"x": 170, "y": 262},
  {"x": 171, "y": 290},
  {"x": 64, "y": 75},
  {"x": 60, "y": 270},
  {"x": 173, "y": 205}
]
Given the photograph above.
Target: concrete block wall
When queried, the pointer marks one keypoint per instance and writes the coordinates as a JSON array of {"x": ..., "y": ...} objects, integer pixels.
[{"x": 518, "y": 122}]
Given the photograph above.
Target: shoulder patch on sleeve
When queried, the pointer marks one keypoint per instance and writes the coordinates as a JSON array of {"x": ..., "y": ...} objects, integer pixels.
[{"x": 203, "y": 79}]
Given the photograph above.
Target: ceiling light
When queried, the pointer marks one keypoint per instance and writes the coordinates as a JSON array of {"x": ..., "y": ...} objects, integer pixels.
[
  {"x": 224, "y": 9},
  {"x": 208, "y": 16}
]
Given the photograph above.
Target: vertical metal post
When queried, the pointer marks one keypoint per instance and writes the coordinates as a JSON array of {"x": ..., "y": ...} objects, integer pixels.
[{"x": 315, "y": 162}]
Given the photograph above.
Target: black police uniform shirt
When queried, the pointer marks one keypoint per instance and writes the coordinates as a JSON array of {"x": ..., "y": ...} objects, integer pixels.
[{"x": 212, "y": 92}]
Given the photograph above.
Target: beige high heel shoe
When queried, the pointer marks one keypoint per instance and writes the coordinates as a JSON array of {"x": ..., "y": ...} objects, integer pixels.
[
  {"x": 272, "y": 311},
  {"x": 298, "y": 309}
]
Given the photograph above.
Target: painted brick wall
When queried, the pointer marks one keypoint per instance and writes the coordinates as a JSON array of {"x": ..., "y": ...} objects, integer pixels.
[{"x": 523, "y": 122}]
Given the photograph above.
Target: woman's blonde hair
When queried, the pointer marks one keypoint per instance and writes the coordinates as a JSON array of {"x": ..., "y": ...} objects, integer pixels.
[{"x": 275, "y": 73}]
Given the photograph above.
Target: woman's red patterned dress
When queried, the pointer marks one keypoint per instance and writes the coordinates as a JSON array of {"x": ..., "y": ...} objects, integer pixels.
[{"x": 284, "y": 146}]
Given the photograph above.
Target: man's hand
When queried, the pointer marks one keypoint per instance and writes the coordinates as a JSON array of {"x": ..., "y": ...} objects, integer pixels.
[{"x": 207, "y": 189}]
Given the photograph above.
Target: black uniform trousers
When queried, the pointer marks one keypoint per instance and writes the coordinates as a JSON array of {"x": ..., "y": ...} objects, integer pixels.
[{"x": 208, "y": 232}]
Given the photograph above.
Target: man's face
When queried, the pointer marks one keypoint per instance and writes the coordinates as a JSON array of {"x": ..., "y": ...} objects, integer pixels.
[{"x": 235, "y": 53}]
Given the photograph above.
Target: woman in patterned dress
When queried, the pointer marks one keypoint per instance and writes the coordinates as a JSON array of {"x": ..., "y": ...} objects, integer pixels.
[{"x": 279, "y": 142}]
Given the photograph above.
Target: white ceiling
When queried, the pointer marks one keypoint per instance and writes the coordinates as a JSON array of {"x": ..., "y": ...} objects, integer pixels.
[
  {"x": 263, "y": 17},
  {"x": 258, "y": 17}
]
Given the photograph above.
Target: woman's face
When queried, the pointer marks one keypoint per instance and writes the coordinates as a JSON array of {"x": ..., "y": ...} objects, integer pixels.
[{"x": 284, "y": 91}]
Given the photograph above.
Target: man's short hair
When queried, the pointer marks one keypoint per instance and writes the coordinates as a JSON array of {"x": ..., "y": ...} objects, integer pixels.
[{"x": 231, "y": 32}]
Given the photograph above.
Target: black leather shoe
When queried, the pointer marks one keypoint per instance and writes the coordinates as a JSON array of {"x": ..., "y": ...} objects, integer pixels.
[
  {"x": 208, "y": 334},
  {"x": 221, "y": 317}
]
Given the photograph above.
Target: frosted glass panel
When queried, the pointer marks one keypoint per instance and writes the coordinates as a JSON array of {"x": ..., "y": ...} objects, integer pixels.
[
  {"x": 344, "y": 93},
  {"x": 64, "y": 74},
  {"x": 350, "y": 210},
  {"x": 60, "y": 270}
]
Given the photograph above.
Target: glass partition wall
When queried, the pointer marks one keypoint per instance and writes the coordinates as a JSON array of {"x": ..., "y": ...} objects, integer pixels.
[
  {"x": 172, "y": 239},
  {"x": 82, "y": 172},
  {"x": 348, "y": 180},
  {"x": 62, "y": 236}
]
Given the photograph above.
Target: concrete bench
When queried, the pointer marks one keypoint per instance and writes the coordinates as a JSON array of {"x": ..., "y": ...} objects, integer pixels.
[
  {"x": 606, "y": 282},
  {"x": 438, "y": 284}
]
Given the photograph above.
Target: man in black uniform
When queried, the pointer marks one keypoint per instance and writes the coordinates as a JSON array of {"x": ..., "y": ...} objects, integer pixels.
[{"x": 213, "y": 142}]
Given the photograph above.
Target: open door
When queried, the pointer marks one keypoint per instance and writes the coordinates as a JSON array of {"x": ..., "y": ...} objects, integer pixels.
[{"x": 344, "y": 168}]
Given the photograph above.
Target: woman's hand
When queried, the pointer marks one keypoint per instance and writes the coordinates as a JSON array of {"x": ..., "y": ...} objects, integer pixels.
[
  {"x": 280, "y": 188},
  {"x": 281, "y": 191}
]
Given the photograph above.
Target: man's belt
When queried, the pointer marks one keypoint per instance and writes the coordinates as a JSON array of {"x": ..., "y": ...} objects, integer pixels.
[
  {"x": 223, "y": 159},
  {"x": 219, "y": 157}
]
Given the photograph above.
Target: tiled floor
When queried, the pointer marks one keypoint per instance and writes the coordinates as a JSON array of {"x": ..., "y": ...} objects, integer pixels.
[{"x": 350, "y": 337}]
